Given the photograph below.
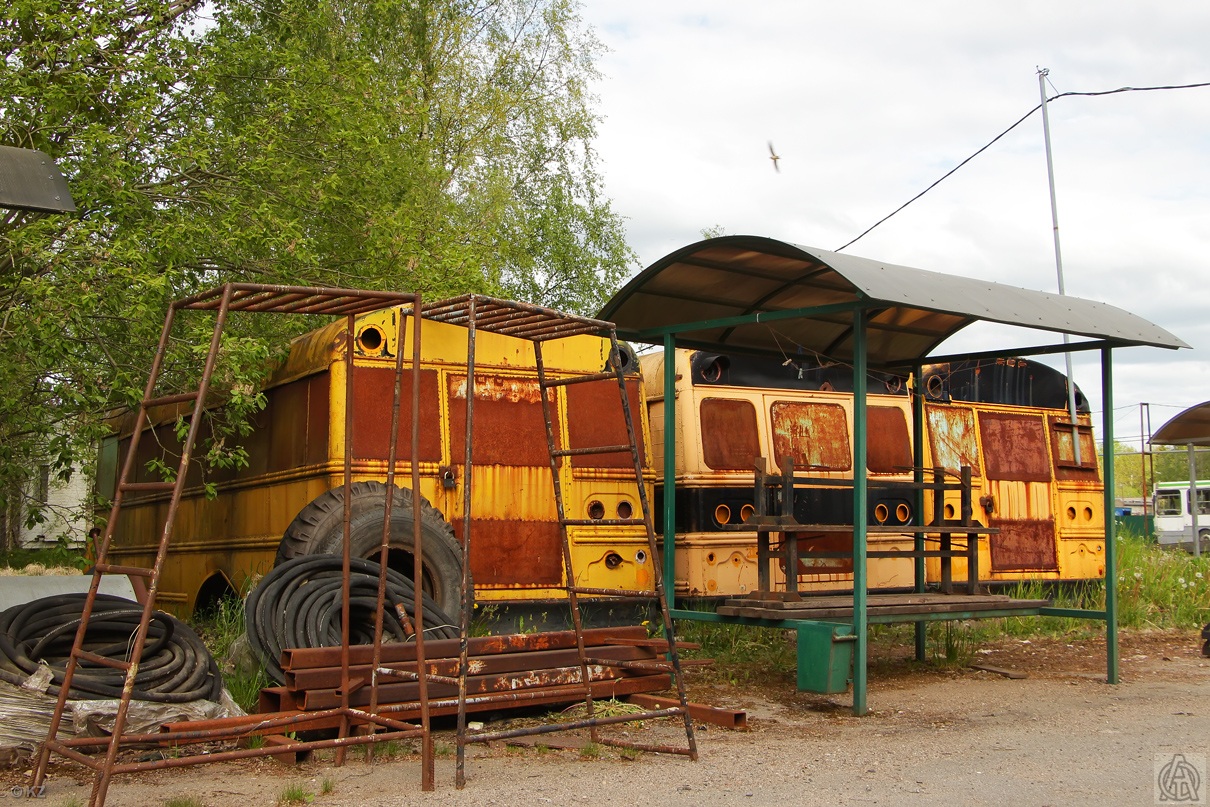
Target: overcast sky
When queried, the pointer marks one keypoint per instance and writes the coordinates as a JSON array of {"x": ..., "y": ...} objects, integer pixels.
[{"x": 868, "y": 103}]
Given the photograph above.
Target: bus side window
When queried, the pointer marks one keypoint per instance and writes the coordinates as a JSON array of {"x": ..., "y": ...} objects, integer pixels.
[
  {"x": 1168, "y": 503},
  {"x": 1203, "y": 502}
]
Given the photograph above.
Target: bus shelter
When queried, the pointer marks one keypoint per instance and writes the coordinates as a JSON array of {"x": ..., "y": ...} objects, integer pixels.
[{"x": 756, "y": 295}]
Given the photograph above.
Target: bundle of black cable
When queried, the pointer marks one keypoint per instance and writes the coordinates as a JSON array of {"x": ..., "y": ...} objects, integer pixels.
[
  {"x": 298, "y": 604},
  {"x": 176, "y": 667}
]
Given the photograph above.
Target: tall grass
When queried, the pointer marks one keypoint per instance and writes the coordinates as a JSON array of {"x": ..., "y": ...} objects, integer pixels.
[
  {"x": 1161, "y": 588},
  {"x": 1158, "y": 589},
  {"x": 220, "y": 628}
]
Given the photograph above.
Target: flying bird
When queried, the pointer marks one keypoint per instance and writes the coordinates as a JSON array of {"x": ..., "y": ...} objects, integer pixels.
[{"x": 773, "y": 156}]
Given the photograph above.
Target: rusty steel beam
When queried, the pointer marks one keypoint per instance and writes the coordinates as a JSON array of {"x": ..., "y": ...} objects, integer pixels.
[
  {"x": 323, "y": 677},
  {"x": 593, "y": 722},
  {"x": 714, "y": 715},
  {"x": 535, "y": 679},
  {"x": 307, "y": 657},
  {"x": 612, "y": 688}
]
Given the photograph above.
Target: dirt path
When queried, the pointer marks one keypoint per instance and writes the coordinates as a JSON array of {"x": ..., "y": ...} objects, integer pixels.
[{"x": 1058, "y": 737}]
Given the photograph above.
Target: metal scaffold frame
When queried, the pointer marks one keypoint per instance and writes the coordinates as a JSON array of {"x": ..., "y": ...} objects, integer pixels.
[
  {"x": 540, "y": 325},
  {"x": 355, "y": 726}
]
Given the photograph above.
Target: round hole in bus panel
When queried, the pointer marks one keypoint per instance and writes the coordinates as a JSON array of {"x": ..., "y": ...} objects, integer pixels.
[
  {"x": 710, "y": 557},
  {"x": 881, "y": 513},
  {"x": 722, "y": 514},
  {"x": 1071, "y": 514},
  {"x": 903, "y": 513},
  {"x": 949, "y": 511},
  {"x": 640, "y": 556},
  {"x": 746, "y": 512},
  {"x": 713, "y": 372},
  {"x": 596, "y": 510},
  {"x": 371, "y": 339},
  {"x": 1088, "y": 514},
  {"x": 625, "y": 509},
  {"x": 613, "y": 560}
]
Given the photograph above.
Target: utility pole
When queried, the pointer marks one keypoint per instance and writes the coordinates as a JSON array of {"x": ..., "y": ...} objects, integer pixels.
[{"x": 1054, "y": 217}]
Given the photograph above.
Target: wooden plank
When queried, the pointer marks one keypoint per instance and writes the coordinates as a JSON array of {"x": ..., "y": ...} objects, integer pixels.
[
  {"x": 890, "y": 600},
  {"x": 881, "y": 610},
  {"x": 1013, "y": 674}
]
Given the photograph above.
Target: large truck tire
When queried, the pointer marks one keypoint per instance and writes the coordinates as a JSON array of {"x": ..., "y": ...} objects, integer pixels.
[{"x": 319, "y": 529}]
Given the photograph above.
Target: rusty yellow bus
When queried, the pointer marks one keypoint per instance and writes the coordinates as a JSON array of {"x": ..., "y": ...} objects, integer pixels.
[
  {"x": 289, "y": 499},
  {"x": 1006, "y": 420}
]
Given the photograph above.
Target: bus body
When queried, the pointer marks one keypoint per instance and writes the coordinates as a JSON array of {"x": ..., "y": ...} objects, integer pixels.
[
  {"x": 1173, "y": 514},
  {"x": 1047, "y": 510},
  {"x": 297, "y": 451}
]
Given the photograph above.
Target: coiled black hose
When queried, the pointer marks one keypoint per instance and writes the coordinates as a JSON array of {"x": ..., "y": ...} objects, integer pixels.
[
  {"x": 297, "y": 604},
  {"x": 176, "y": 666}
]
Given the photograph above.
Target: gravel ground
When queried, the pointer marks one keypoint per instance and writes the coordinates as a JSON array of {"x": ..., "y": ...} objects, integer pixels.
[{"x": 1060, "y": 736}]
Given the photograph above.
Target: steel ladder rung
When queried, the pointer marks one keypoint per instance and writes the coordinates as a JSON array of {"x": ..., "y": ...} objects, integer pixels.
[
  {"x": 577, "y": 379},
  {"x": 579, "y": 452},
  {"x": 111, "y": 568}
]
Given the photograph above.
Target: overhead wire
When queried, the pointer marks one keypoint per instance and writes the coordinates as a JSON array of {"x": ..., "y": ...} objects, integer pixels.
[{"x": 992, "y": 142}]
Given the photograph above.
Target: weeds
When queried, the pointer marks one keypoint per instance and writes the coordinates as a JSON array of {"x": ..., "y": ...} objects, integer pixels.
[
  {"x": 295, "y": 794},
  {"x": 327, "y": 787},
  {"x": 184, "y": 801},
  {"x": 591, "y": 750}
]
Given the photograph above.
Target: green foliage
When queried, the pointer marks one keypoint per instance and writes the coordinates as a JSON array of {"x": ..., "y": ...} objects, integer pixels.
[
  {"x": 437, "y": 146},
  {"x": 57, "y": 556},
  {"x": 295, "y": 793},
  {"x": 219, "y": 628},
  {"x": 328, "y": 786},
  {"x": 742, "y": 654},
  {"x": 1162, "y": 464}
]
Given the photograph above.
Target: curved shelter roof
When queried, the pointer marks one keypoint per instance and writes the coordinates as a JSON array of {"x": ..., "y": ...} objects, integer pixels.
[
  {"x": 1191, "y": 427},
  {"x": 810, "y": 295}
]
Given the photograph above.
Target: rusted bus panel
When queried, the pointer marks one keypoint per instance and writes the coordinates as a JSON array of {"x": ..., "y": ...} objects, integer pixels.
[
  {"x": 730, "y": 434},
  {"x": 507, "y": 552},
  {"x": 595, "y": 419},
  {"x": 1033, "y": 501},
  {"x": 375, "y": 395},
  {"x": 816, "y": 435},
  {"x": 888, "y": 446},
  {"x": 1063, "y": 451},
  {"x": 1080, "y": 511},
  {"x": 1023, "y": 545},
  {"x": 1015, "y": 447},
  {"x": 508, "y": 428},
  {"x": 714, "y": 564},
  {"x": 952, "y": 439},
  {"x": 810, "y": 564},
  {"x": 709, "y": 565}
]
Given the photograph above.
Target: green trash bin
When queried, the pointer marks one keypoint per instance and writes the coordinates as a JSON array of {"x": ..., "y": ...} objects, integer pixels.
[{"x": 825, "y": 656}]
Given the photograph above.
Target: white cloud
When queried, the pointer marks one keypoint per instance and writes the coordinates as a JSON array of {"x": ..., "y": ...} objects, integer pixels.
[{"x": 868, "y": 103}]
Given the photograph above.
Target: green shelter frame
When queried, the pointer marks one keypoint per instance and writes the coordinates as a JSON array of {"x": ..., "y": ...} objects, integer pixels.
[{"x": 750, "y": 294}]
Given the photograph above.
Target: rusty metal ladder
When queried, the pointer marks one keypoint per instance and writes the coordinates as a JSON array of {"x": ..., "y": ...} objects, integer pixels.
[
  {"x": 230, "y": 297},
  {"x": 539, "y": 325}
]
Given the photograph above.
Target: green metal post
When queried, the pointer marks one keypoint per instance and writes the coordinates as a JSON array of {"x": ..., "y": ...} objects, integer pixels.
[
  {"x": 860, "y": 499},
  {"x": 670, "y": 467},
  {"x": 1111, "y": 548},
  {"x": 917, "y": 393}
]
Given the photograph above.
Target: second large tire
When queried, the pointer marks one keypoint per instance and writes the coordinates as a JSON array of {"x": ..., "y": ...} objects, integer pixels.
[{"x": 319, "y": 529}]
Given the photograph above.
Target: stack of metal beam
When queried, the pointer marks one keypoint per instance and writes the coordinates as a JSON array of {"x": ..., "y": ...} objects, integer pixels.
[{"x": 502, "y": 671}]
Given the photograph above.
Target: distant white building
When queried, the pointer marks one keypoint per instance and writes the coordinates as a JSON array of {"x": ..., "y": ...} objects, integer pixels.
[{"x": 63, "y": 509}]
